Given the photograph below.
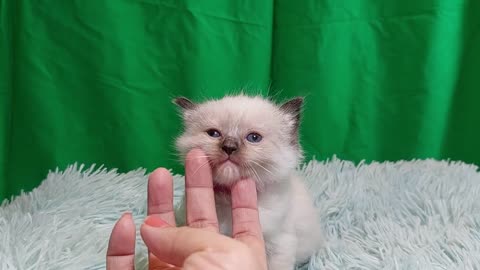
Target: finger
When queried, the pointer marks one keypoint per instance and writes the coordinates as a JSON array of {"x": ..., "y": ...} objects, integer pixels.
[
  {"x": 245, "y": 219},
  {"x": 200, "y": 200},
  {"x": 173, "y": 245},
  {"x": 160, "y": 195},
  {"x": 121, "y": 246},
  {"x": 160, "y": 203}
]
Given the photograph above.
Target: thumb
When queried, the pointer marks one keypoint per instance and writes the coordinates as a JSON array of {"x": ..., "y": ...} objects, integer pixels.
[{"x": 174, "y": 245}]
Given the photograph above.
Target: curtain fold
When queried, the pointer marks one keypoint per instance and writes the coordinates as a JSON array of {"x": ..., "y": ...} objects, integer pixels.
[
  {"x": 92, "y": 81},
  {"x": 385, "y": 81},
  {"x": 6, "y": 63}
]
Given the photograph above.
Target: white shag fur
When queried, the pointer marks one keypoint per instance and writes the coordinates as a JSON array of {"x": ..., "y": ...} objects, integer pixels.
[{"x": 400, "y": 215}]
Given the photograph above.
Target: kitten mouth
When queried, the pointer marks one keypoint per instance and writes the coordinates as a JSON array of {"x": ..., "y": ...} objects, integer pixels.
[
  {"x": 227, "y": 161},
  {"x": 226, "y": 171}
]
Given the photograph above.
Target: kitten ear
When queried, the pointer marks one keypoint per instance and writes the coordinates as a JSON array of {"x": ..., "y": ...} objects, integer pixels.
[
  {"x": 293, "y": 107},
  {"x": 184, "y": 103}
]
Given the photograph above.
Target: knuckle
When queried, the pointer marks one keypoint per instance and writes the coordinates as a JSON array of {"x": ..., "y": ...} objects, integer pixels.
[{"x": 203, "y": 223}]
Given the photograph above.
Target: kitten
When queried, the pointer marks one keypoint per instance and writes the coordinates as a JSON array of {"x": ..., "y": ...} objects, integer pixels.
[{"x": 252, "y": 137}]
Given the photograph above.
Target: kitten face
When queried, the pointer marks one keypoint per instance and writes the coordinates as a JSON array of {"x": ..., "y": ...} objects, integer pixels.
[{"x": 243, "y": 137}]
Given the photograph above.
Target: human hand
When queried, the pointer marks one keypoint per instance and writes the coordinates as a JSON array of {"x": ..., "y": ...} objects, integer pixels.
[{"x": 199, "y": 244}]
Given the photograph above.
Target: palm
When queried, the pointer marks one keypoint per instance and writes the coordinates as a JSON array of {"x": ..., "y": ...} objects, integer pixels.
[
  {"x": 156, "y": 264},
  {"x": 200, "y": 214}
]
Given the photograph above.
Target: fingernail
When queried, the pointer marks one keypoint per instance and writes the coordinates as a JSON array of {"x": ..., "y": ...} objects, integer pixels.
[{"x": 155, "y": 222}]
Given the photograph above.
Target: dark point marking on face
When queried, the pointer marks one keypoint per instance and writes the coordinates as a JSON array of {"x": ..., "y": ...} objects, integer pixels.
[
  {"x": 229, "y": 145},
  {"x": 293, "y": 107},
  {"x": 184, "y": 103}
]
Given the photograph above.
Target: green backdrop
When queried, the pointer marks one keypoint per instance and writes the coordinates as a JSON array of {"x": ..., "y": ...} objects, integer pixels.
[{"x": 91, "y": 81}]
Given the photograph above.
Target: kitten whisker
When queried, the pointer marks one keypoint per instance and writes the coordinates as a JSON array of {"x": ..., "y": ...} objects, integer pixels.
[
  {"x": 263, "y": 167},
  {"x": 195, "y": 172},
  {"x": 199, "y": 157},
  {"x": 252, "y": 170},
  {"x": 259, "y": 181},
  {"x": 183, "y": 159}
]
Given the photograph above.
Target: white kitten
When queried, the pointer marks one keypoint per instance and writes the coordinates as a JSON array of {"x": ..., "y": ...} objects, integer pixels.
[{"x": 252, "y": 137}]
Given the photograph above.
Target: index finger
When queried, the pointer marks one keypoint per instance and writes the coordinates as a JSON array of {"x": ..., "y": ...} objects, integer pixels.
[
  {"x": 160, "y": 195},
  {"x": 160, "y": 203},
  {"x": 200, "y": 200},
  {"x": 245, "y": 218},
  {"x": 121, "y": 246}
]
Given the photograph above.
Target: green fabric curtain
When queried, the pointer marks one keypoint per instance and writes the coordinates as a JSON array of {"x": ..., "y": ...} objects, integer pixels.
[{"x": 92, "y": 81}]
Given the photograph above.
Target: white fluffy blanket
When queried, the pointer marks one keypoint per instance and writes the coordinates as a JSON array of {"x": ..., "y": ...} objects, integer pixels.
[{"x": 402, "y": 215}]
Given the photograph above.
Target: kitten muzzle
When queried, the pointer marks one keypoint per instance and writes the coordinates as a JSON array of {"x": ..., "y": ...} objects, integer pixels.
[{"x": 229, "y": 145}]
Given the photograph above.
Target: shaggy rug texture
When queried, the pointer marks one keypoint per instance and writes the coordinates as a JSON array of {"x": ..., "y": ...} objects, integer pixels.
[{"x": 403, "y": 215}]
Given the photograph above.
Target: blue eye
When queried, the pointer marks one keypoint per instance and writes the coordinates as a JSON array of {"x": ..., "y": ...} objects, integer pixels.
[
  {"x": 254, "y": 137},
  {"x": 213, "y": 133}
]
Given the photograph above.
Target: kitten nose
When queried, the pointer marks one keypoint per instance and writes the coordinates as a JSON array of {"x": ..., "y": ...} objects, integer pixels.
[
  {"x": 229, "y": 146},
  {"x": 229, "y": 149}
]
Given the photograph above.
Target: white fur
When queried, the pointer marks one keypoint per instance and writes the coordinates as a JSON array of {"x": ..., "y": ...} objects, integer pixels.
[
  {"x": 417, "y": 215},
  {"x": 286, "y": 211}
]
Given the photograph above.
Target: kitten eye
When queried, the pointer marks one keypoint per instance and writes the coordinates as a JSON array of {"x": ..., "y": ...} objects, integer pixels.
[
  {"x": 254, "y": 137},
  {"x": 213, "y": 133}
]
